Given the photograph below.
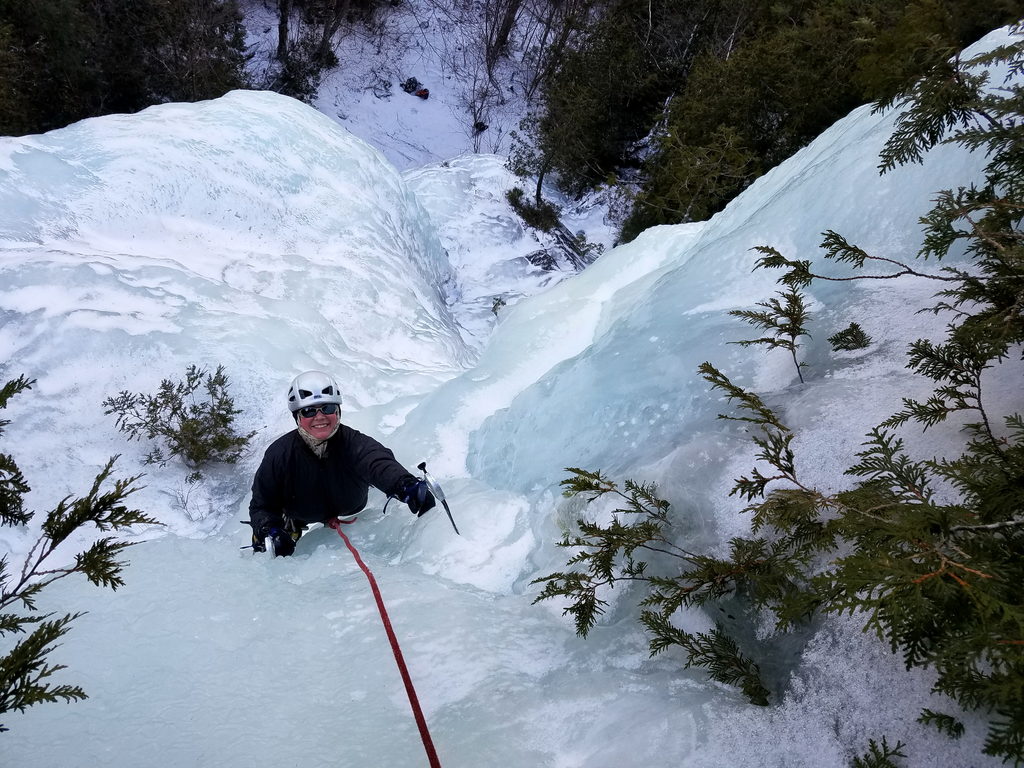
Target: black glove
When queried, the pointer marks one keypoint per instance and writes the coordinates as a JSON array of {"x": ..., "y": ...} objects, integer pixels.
[
  {"x": 418, "y": 496},
  {"x": 281, "y": 541}
]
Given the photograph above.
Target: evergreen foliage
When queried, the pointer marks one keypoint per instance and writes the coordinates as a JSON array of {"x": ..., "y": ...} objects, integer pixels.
[
  {"x": 605, "y": 555},
  {"x": 589, "y": 114},
  {"x": 879, "y": 755},
  {"x": 686, "y": 181},
  {"x": 784, "y": 319},
  {"x": 200, "y": 431},
  {"x": 928, "y": 552},
  {"x": 850, "y": 338},
  {"x": 306, "y": 34},
  {"x": 607, "y": 89},
  {"x": 737, "y": 116},
  {"x": 948, "y": 724},
  {"x": 72, "y": 59},
  {"x": 183, "y": 50},
  {"x": 48, "y": 55},
  {"x": 939, "y": 582},
  {"x": 540, "y": 215},
  {"x": 793, "y": 71},
  {"x": 913, "y": 38},
  {"x": 25, "y": 670},
  {"x": 12, "y": 98}
]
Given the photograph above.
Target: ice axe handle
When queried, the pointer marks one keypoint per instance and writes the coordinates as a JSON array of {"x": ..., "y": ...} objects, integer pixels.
[
  {"x": 438, "y": 493},
  {"x": 432, "y": 484}
]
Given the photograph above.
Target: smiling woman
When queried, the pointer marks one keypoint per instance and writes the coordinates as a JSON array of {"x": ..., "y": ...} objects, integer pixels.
[
  {"x": 319, "y": 421},
  {"x": 315, "y": 400},
  {"x": 322, "y": 470}
]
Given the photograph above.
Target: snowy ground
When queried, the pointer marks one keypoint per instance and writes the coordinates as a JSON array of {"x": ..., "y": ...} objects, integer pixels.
[{"x": 440, "y": 48}]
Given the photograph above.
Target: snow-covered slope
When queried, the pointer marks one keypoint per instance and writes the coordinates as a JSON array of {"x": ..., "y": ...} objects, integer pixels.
[{"x": 252, "y": 231}]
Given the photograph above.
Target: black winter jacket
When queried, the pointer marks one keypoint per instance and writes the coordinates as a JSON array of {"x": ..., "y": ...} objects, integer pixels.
[{"x": 293, "y": 482}]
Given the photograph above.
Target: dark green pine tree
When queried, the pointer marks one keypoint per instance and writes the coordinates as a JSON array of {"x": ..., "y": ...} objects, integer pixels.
[
  {"x": 940, "y": 578},
  {"x": 66, "y": 60},
  {"x": 26, "y": 670},
  {"x": 936, "y": 575}
]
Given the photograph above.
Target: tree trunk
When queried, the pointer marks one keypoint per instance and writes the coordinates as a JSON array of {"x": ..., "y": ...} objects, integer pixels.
[
  {"x": 502, "y": 15},
  {"x": 544, "y": 166},
  {"x": 331, "y": 26},
  {"x": 284, "y": 10}
]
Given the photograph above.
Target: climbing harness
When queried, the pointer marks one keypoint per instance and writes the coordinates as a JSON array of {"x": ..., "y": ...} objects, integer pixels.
[{"x": 421, "y": 721}]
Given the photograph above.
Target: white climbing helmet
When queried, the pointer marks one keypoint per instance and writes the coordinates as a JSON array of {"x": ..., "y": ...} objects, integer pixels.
[{"x": 312, "y": 388}]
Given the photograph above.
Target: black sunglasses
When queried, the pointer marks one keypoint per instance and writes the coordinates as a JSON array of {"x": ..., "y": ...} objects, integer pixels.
[{"x": 327, "y": 409}]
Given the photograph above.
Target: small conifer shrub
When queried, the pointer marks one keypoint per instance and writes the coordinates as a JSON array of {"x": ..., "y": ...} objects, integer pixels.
[
  {"x": 850, "y": 338},
  {"x": 588, "y": 250},
  {"x": 540, "y": 215},
  {"x": 25, "y": 670},
  {"x": 200, "y": 431},
  {"x": 784, "y": 320},
  {"x": 879, "y": 755}
]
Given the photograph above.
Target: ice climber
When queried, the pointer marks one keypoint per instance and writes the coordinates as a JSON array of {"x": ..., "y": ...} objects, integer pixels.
[{"x": 322, "y": 470}]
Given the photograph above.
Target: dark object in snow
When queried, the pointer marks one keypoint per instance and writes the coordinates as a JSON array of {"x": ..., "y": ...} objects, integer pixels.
[
  {"x": 561, "y": 251},
  {"x": 423, "y": 93},
  {"x": 479, "y": 127},
  {"x": 380, "y": 87},
  {"x": 411, "y": 85}
]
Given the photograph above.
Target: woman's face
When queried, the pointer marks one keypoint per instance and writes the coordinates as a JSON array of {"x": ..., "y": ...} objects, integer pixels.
[{"x": 320, "y": 425}]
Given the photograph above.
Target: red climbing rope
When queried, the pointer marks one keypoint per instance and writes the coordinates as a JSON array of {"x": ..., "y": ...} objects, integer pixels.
[{"x": 421, "y": 722}]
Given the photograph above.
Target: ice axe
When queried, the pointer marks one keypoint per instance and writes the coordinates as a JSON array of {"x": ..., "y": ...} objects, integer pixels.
[{"x": 438, "y": 493}]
